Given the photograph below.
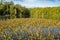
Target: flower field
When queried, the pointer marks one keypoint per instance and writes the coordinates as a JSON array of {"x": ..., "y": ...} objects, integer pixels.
[{"x": 29, "y": 29}]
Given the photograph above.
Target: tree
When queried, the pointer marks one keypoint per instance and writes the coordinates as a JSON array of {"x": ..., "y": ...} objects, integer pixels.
[
  {"x": 19, "y": 11},
  {"x": 6, "y": 8},
  {"x": 26, "y": 13},
  {"x": 12, "y": 11}
]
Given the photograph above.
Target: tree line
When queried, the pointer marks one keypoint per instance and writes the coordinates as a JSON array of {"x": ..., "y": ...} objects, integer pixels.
[
  {"x": 47, "y": 13},
  {"x": 10, "y": 10}
]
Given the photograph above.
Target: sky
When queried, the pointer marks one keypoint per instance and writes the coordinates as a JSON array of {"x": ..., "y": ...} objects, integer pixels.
[{"x": 37, "y": 3}]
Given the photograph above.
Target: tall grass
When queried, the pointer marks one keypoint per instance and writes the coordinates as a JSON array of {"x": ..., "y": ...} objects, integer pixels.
[
  {"x": 30, "y": 22},
  {"x": 26, "y": 29}
]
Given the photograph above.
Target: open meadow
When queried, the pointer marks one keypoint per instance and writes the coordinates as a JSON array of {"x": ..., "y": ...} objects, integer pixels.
[
  {"x": 29, "y": 22},
  {"x": 29, "y": 29}
]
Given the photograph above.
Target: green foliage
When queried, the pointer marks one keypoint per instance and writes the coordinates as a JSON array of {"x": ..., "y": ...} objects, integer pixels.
[
  {"x": 26, "y": 13},
  {"x": 17, "y": 11},
  {"x": 13, "y": 11},
  {"x": 47, "y": 13}
]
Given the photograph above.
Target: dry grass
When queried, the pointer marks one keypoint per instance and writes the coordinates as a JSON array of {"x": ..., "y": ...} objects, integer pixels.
[
  {"x": 10, "y": 29},
  {"x": 30, "y": 22}
]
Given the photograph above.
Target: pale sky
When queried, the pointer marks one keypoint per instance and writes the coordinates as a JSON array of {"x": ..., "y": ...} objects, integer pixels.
[{"x": 37, "y": 3}]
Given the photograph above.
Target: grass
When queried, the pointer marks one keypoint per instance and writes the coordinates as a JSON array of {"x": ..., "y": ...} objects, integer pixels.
[
  {"x": 24, "y": 29},
  {"x": 30, "y": 22}
]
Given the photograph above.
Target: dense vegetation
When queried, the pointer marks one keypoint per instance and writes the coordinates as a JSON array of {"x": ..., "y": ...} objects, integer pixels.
[
  {"x": 10, "y": 10},
  {"x": 29, "y": 29},
  {"x": 48, "y": 13}
]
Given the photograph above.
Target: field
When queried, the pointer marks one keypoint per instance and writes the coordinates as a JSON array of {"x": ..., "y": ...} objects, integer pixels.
[
  {"x": 29, "y": 22},
  {"x": 29, "y": 29}
]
